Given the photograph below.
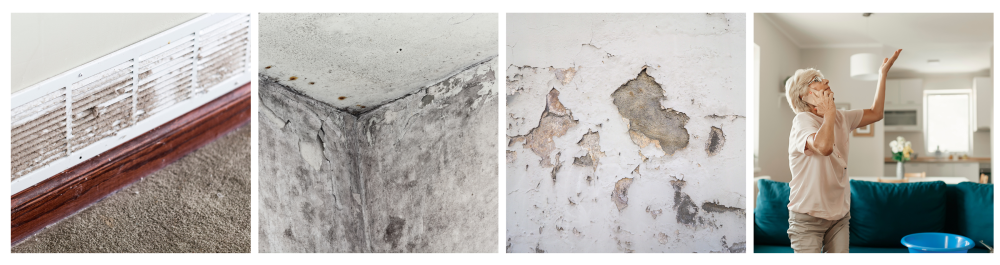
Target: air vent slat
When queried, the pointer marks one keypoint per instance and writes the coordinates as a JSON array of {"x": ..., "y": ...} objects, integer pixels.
[{"x": 105, "y": 99}]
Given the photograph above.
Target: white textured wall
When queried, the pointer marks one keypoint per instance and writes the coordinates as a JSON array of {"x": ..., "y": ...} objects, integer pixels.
[
  {"x": 45, "y": 45},
  {"x": 562, "y": 170}
]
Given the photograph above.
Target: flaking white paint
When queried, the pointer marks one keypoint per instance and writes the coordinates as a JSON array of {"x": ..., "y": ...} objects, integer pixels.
[{"x": 698, "y": 59}]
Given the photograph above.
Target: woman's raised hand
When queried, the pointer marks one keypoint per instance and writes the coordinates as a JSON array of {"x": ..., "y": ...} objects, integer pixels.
[{"x": 887, "y": 62}]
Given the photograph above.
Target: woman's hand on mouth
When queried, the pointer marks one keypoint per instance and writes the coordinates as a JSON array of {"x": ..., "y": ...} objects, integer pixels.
[{"x": 825, "y": 106}]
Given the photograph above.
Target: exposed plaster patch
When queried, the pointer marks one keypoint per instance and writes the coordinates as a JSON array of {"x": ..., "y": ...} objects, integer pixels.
[
  {"x": 638, "y": 101},
  {"x": 555, "y": 121},
  {"x": 715, "y": 142},
  {"x": 564, "y": 75},
  {"x": 654, "y": 213},
  {"x": 620, "y": 194},
  {"x": 662, "y": 238},
  {"x": 591, "y": 142}
]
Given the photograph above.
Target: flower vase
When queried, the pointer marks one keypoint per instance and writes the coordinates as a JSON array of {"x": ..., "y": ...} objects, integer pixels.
[{"x": 900, "y": 171}]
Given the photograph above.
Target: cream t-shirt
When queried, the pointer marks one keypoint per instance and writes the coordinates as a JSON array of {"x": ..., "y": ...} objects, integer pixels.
[{"x": 820, "y": 186}]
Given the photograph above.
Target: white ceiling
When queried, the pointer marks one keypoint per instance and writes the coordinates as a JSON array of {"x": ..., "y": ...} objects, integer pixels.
[
  {"x": 371, "y": 59},
  {"x": 961, "y": 42}
]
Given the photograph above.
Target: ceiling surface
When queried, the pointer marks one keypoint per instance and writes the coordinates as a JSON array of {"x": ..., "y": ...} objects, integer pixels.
[
  {"x": 961, "y": 42},
  {"x": 359, "y": 61}
]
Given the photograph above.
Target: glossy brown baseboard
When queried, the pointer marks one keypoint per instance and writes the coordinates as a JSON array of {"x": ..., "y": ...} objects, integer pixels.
[{"x": 75, "y": 189}]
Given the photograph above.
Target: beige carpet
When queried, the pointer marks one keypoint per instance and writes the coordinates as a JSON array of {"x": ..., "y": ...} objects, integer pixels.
[{"x": 201, "y": 203}]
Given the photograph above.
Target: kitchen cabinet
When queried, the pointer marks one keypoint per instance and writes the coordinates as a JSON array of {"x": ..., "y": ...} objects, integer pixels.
[
  {"x": 967, "y": 170},
  {"x": 904, "y": 91},
  {"x": 891, "y": 91},
  {"x": 983, "y": 89},
  {"x": 911, "y": 91},
  {"x": 941, "y": 169}
]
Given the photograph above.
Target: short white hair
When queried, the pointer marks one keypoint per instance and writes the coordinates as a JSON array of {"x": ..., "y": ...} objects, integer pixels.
[{"x": 798, "y": 86}]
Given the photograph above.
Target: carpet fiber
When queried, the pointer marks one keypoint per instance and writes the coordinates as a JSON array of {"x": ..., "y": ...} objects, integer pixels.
[{"x": 201, "y": 203}]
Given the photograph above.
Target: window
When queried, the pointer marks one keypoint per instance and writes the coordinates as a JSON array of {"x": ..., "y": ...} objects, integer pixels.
[{"x": 948, "y": 120}]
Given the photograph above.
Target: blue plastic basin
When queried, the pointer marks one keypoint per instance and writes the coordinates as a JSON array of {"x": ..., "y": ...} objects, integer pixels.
[{"x": 937, "y": 243}]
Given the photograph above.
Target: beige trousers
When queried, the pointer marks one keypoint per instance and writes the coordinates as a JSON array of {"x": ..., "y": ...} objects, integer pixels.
[{"x": 814, "y": 235}]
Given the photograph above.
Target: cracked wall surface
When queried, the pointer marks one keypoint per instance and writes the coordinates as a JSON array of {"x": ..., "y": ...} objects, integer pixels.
[
  {"x": 626, "y": 133},
  {"x": 415, "y": 175}
]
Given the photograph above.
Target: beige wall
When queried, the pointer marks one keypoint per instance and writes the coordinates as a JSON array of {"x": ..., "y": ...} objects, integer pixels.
[
  {"x": 779, "y": 59},
  {"x": 45, "y": 45}
]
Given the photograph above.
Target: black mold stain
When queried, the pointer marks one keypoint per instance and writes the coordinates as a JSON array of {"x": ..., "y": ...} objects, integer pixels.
[
  {"x": 394, "y": 231},
  {"x": 714, "y": 207},
  {"x": 555, "y": 170},
  {"x": 687, "y": 211},
  {"x": 426, "y": 100},
  {"x": 308, "y": 211},
  {"x": 716, "y": 140},
  {"x": 289, "y": 234},
  {"x": 638, "y": 100}
]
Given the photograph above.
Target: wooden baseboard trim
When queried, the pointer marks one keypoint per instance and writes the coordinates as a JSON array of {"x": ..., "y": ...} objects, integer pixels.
[{"x": 75, "y": 189}]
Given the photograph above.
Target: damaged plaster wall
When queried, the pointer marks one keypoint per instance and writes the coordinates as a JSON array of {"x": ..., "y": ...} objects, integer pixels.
[
  {"x": 626, "y": 133},
  {"x": 415, "y": 175}
]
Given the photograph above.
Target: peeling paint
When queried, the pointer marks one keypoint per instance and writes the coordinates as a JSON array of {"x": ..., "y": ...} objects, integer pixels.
[
  {"x": 591, "y": 142},
  {"x": 716, "y": 140},
  {"x": 564, "y": 75},
  {"x": 554, "y": 122},
  {"x": 654, "y": 213},
  {"x": 696, "y": 74},
  {"x": 687, "y": 211},
  {"x": 620, "y": 194},
  {"x": 638, "y": 100}
]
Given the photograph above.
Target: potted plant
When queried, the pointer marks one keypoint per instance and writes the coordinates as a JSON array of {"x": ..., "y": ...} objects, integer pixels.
[{"x": 901, "y": 152}]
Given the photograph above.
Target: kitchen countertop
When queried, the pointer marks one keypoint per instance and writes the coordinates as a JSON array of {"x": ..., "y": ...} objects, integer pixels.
[{"x": 945, "y": 160}]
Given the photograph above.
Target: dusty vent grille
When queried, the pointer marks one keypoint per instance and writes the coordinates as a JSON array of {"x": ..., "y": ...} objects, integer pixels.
[
  {"x": 222, "y": 52},
  {"x": 140, "y": 85},
  {"x": 166, "y": 78},
  {"x": 38, "y": 132},
  {"x": 102, "y": 105}
]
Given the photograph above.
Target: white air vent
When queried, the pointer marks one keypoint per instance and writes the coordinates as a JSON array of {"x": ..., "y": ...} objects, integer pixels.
[{"x": 72, "y": 117}]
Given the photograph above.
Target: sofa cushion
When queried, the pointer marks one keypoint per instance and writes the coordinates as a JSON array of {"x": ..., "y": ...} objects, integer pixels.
[
  {"x": 883, "y": 213},
  {"x": 970, "y": 212},
  {"x": 771, "y": 214}
]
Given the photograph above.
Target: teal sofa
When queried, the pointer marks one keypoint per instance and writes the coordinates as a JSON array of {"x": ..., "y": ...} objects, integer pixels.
[{"x": 883, "y": 213}]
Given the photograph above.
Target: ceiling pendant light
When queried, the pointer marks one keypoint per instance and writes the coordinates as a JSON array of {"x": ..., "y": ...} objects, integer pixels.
[{"x": 864, "y": 66}]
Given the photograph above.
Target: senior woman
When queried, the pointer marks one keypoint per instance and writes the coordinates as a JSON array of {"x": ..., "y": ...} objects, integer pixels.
[{"x": 820, "y": 198}]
